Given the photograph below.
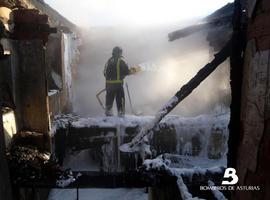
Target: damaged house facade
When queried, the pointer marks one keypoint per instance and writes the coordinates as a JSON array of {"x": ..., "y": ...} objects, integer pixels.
[
  {"x": 39, "y": 55},
  {"x": 38, "y": 64},
  {"x": 38, "y": 61}
]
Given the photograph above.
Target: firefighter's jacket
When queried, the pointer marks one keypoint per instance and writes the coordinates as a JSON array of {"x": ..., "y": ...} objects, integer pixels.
[{"x": 116, "y": 70}]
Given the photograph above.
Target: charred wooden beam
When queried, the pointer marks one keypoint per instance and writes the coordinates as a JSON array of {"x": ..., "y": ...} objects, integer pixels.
[
  {"x": 204, "y": 72},
  {"x": 222, "y": 21},
  {"x": 30, "y": 24},
  {"x": 89, "y": 137},
  {"x": 221, "y": 17},
  {"x": 236, "y": 76},
  {"x": 184, "y": 91}
]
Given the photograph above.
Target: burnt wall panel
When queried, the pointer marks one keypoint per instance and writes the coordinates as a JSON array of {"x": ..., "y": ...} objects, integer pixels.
[
  {"x": 255, "y": 130},
  {"x": 29, "y": 76}
]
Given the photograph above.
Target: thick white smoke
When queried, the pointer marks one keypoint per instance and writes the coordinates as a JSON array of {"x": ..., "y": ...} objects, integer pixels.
[{"x": 167, "y": 66}]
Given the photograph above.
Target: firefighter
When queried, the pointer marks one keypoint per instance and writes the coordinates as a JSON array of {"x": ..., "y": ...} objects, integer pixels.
[{"x": 116, "y": 69}]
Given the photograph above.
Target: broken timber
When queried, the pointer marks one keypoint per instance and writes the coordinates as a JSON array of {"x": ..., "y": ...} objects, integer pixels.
[{"x": 185, "y": 90}]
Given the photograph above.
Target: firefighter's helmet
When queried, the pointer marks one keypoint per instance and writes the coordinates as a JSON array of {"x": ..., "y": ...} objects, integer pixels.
[{"x": 117, "y": 51}]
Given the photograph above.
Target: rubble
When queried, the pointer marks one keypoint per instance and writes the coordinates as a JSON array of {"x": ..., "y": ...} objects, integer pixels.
[
  {"x": 66, "y": 178},
  {"x": 27, "y": 162}
]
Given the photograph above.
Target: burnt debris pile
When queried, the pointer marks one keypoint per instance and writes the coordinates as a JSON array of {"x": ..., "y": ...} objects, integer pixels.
[{"x": 27, "y": 161}]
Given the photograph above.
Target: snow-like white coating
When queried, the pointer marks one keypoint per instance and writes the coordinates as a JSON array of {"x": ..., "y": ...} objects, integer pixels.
[
  {"x": 132, "y": 121},
  {"x": 185, "y": 166},
  {"x": 205, "y": 122},
  {"x": 65, "y": 182},
  {"x": 195, "y": 132},
  {"x": 170, "y": 103},
  {"x": 66, "y": 179},
  {"x": 185, "y": 195},
  {"x": 136, "y": 143},
  {"x": 128, "y": 120},
  {"x": 157, "y": 163},
  {"x": 201, "y": 127},
  {"x": 52, "y": 92}
]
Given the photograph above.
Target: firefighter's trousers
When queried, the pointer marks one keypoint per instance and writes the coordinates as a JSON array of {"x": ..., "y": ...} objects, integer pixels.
[{"x": 115, "y": 91}]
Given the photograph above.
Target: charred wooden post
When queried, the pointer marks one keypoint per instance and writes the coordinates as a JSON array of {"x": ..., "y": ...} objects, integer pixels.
[
  {"x": 26, "y": 76},
  {"x": 60, "y": 141},
  {"x": 29, "y": 35},
  {"x": 250, "y": 125},
  {"x": 236, "y": 62}
]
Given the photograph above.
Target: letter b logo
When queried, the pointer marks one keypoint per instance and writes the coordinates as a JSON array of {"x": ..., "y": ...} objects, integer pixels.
[{"x": 230, "y": 173}]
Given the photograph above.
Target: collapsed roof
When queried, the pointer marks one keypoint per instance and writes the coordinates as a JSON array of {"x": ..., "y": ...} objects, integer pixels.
[{"x": 218, "y": 22}]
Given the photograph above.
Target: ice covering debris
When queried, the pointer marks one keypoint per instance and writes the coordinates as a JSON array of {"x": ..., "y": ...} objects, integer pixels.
[
  {"x": 62, "y": 121},
  {"x": 159, "y": 163},
  {"x": 66, "y": 178},
  {"x": 185, "y": 128},
  {"x": 204, "y": 135},
  {"x": 185, "y": 195},
  {"x": 137, "y": 143},
  {"x": 180, "y": 165}
]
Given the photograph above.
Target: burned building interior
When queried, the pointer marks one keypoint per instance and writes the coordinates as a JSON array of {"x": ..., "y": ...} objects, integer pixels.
[{"x": 39, "y": 59}]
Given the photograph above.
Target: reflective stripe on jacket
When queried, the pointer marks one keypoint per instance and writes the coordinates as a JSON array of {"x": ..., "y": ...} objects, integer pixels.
[{"x": 115, "y": 70}]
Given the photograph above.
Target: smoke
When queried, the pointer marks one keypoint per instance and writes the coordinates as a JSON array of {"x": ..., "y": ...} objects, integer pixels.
[{"x": 166, "y": 67}]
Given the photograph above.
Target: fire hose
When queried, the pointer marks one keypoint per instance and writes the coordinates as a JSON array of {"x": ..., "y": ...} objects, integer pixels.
[{"x": 133, "y": 70}]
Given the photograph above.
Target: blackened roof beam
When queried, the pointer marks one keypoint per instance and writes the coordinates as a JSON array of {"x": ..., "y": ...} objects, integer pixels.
[{"x": 221, "y": 17}]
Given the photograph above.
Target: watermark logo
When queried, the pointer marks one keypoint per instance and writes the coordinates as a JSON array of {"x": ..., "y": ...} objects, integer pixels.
[
  {"x": 230, "y": 179},
  {"x": 230, "y": 173}
]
